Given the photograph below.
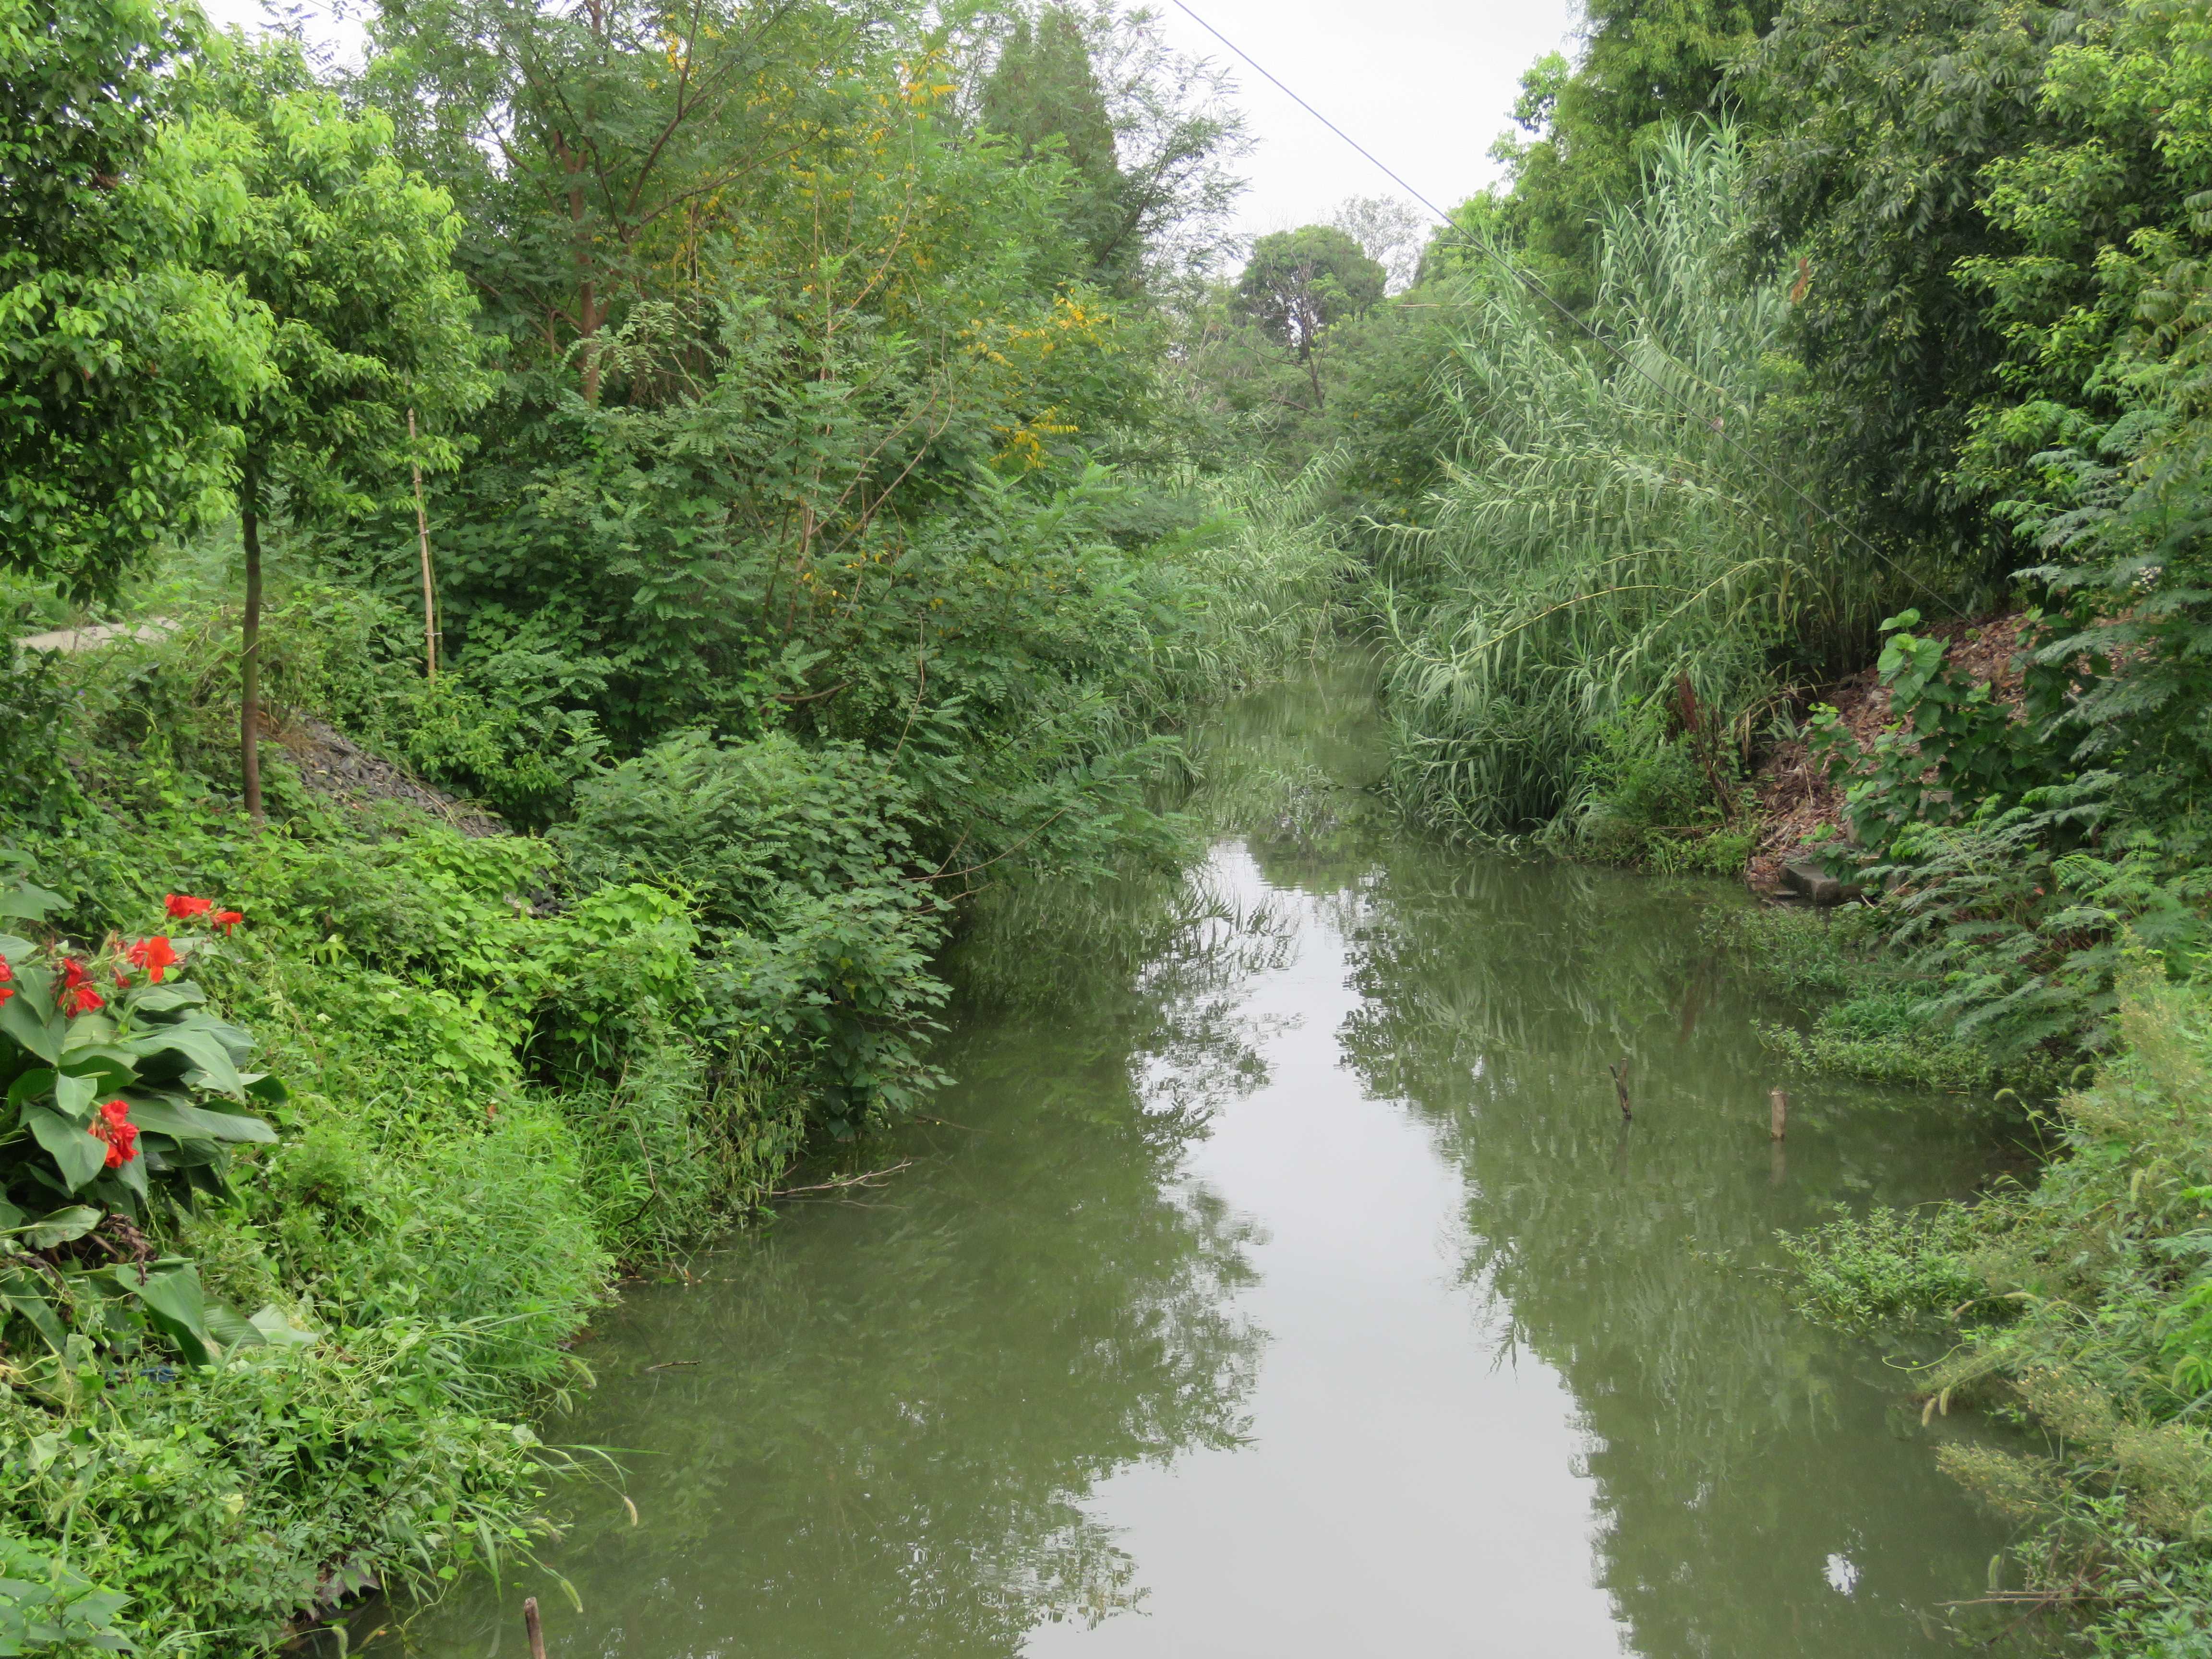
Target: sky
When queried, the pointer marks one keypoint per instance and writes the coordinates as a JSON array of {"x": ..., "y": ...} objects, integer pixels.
[{"x": 1425, "y": 84}]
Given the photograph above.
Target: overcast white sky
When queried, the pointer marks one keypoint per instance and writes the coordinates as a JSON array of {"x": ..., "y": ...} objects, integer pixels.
[{"x": 1425, "y": 84}]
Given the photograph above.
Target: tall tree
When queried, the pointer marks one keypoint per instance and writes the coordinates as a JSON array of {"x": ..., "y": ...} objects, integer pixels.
[
  {"x": 124, "y": 360},
  {"x": 599, "y": 149},
  {"x": 1645, "y": 65},
  {"x": 1868, "y": 175},
  {"x": 1043, "y": 93},
  {"x": 1300, "y": 282},
  {"x": 352, "y": 257}
]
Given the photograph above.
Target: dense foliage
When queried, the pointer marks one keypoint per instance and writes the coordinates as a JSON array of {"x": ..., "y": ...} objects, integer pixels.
[
  {"x": 1800, "y": 339},
  {"x": 786, "y": 467},
  {"x": 729, "y": 446}
]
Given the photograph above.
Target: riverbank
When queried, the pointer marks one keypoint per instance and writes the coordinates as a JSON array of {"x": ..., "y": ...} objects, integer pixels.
[
  {"x": 1278, "y": 1273},
  {"x": 515, "y": 1068}
]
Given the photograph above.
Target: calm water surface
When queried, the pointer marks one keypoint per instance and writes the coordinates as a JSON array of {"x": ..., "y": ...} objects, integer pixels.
[{"x": 1278, "y": 1279}]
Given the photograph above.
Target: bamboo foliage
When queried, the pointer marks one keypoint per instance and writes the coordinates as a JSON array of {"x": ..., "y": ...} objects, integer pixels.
[{"x": 1618, "y": 522}]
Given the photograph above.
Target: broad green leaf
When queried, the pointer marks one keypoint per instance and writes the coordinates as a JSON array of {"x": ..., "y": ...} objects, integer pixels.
[
  {"x": 261, "y": 1085},
  {"x": 277, "y": 1328},
  {"x": 109, "y": 1068},
  {"x": 74, "y": 1097},
  {"x": 23, "y": 1291},
  {"x": 173, "y": 1300},
  {"x": 20, "y": 1019},
  {"x": 171, "y": 1117},
  {"x": 76, "y": 1150},
  {"x": 88, "y": 1031},
  {"x": 205, "y": 1054},
  {"x": 10, "y": 1217},
  {"x": 31, "y": 903},
  {"x": 60, "y": 1226},
  {"x": 30, "y": 1086},
  {"x": 232, "y": 1328},
  {"x": 15, "y": 949},
  {"x": 165, "y": 998}
]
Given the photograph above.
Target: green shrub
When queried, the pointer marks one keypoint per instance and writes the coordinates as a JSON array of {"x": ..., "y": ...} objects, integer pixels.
[
  {"x": 821, "y": 937},
  {"x": 1888, "y": 1265}
]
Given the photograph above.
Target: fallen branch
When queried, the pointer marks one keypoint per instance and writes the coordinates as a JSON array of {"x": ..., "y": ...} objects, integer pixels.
[{"x": 872, "y": 1178}]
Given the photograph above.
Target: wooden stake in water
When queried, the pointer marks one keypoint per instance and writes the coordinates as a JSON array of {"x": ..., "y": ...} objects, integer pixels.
[
  {"x": 1777, "y": 1104},
  {"x": 423, "y": 539},
  {"x": 531, "y": 1627},
  {"x": 1620, "y": 1086}
]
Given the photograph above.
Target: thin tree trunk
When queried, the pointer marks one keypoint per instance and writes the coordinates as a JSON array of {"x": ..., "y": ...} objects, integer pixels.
[
  {"x": 249, "y": 661},
  {"x": 429, "y": 594}
]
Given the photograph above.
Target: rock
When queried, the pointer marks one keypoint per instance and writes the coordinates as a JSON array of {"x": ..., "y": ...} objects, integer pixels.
[
  {"x": 69, "y": 641},
  {"x": 1815, "y": 885}
]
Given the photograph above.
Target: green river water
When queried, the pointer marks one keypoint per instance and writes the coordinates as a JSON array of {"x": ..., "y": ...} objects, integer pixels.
[{"x": 1278, "y": 1279}]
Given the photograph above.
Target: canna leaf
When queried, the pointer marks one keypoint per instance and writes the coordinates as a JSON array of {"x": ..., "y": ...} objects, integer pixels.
[
  {"x": 75, "y": 1151},
  {"x": 20, "y": 1019},
  {"x": 173, "y": 1301},
  {"x": 168, "y": 1116},
  {"x": 30, "y": 1296},
  {"x": 60, "y": 1226}
]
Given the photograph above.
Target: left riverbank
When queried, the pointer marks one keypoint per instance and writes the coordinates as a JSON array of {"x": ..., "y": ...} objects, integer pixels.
[{"x": 502, "y": 1069}]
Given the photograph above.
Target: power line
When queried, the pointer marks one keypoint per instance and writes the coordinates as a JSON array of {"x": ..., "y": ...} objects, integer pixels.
[{"x": 1482, "y": 246}]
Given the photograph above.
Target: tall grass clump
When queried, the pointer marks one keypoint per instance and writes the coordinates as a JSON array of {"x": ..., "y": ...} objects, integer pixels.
[
  {"x": 1265, "y": 587},
  {"x": 1625, "y": 551}
]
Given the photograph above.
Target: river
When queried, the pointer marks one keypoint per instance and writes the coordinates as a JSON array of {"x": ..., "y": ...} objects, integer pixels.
[{"x": 1278, "y": 1278}]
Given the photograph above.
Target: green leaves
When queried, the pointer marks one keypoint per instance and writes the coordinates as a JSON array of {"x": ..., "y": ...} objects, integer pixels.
[
  {"x": 45, "y": 1608},
  {"x": 104, "y": 1107},
  {"x": 78, "y": 1154}
]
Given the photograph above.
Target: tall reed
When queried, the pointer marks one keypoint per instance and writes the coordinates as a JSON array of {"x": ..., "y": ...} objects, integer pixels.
[{"x": 1614, "y": 527}]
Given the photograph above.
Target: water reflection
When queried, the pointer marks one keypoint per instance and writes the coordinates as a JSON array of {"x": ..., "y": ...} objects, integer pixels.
[{"x": 1281, "y": 1279}]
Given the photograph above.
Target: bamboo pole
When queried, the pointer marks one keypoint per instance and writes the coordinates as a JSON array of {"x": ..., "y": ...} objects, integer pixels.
[
  {"x": 532, "y": 1629},
  {"x": 422, "y": 539},
  {"x": 1777, "y": 1108}
]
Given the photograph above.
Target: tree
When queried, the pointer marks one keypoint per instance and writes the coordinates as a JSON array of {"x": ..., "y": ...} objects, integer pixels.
[
  {"x": 1388, "y": 231},
  {"x": 352, "y": 257},
  {"x": 124, "y": 360},
  {"x": 1646, "y": 65},
  {"x": 1148, "y": 132},
  {"x": 601, "y": 151},
  {"x": 1868, "y": 175},
  {"x": 1044, "y": 95},
  {"x": 1298, "y": 283}
]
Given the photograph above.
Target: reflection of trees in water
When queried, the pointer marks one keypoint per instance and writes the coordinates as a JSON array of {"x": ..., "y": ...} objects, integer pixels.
[
  {"x": 901, "y": 1402},
  {"x": 1734, "y": 1448}
]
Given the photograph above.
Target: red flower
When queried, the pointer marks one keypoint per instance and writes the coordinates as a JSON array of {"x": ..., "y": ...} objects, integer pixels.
[
  {"x": 114, "y": 1126},
  {"x": 77, "y": 996},
  {"x": 154, "y": 955},
  {"x": 184, "y": 907},
  {"x": 6, "y": 973},
  {"x": 227, "y": 920}
]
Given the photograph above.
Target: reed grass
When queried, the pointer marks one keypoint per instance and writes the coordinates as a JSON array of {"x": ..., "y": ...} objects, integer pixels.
[{"x": 1617, "y": 523}]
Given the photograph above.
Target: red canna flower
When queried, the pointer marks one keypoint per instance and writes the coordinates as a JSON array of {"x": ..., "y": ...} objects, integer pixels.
[
  {"x": 156, "y": 955},
  {"x": 78, "y": 995},
  {"x": 7, "y": 974},
  {"x": 227, "y": 920},
  {"x": 184, "y": 907},
  {"x": 114, "y": 1126}
]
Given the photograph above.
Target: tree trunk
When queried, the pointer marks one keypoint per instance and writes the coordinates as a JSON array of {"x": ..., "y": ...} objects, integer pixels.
[
  {"x": 249, "y": 661},
  {"x": 429, "y": 589}
]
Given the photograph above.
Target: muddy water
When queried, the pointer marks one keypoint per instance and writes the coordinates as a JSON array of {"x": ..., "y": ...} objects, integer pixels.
[{"x": 1279, "y": 1279}]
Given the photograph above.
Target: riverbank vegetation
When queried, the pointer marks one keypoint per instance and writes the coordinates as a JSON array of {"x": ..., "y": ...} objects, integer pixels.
[
  {"x": 783, "y": 469},
  {"x": 730, "y": 452},
  {"x": 1800, "y": 338}
]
